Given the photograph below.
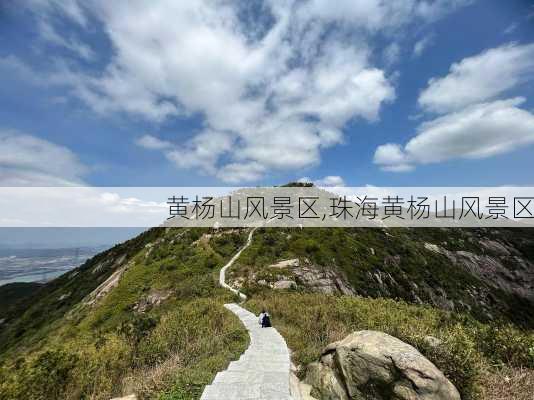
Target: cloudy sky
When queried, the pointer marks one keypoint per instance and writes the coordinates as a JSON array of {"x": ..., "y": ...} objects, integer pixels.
[{"x": 211, "y": 93}]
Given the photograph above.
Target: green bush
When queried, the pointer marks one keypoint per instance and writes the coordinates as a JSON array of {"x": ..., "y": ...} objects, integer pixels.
[
  {"x": 102, "y": 350},
  {"x": 505, "y": 344},
  {"x": 311, "y": 321},
  {"x": 44, "y": 377}
]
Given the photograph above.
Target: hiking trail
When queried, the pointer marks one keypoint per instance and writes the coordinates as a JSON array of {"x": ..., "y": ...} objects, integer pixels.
[{"x": 263, "y": 370}]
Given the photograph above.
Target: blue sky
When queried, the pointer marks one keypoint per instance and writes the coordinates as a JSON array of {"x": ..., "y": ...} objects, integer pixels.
[{"x": 213, "y": 93}]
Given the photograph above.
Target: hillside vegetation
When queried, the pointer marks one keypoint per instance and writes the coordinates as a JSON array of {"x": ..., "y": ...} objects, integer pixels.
[
  {"x": 160, "y": 331},
  {"x": 146, "y": 316},
  {"x": 486, "y": 273},
  {"x": 466, "y": 351},
  {"x": 12, "y": 294}
]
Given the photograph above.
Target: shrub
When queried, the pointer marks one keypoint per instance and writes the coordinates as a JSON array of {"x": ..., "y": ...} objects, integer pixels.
[
  {"x": 44, "y": 377},
  {"x": 311, "y": 321}
]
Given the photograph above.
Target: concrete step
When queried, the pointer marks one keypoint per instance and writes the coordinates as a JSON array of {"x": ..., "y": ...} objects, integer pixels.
[
  {"x": 244, "y": 392},
  {"x": 262, "y": 371},
  {"x": 252, "y": 377}
]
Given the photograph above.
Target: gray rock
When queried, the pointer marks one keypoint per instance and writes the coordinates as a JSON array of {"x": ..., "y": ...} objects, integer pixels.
[
  {"x": 294, "y": 262},
  {"x": 327, "y": 386},
  {"x": 322, "y": 280},
  {"x": 284, "y": 284},
  {"x": 494, "y": 247},
  {"x": 154, "y": 299},
  {"x": 64, "y": 296},
  {"x": 376, "y": 366}
]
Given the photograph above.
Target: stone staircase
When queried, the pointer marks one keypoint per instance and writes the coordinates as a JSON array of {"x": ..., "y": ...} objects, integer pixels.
[{"x": 262, "y": 372}]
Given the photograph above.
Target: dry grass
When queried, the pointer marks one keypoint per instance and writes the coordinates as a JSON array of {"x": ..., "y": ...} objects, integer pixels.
[
  {"x": 509, "y": 383},
  {"x": 310, "y": 321},
  {"x": 153, "y": 379}
]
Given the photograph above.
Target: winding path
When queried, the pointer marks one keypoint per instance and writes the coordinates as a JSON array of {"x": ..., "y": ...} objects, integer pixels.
[{"x": 262, "y": 372}]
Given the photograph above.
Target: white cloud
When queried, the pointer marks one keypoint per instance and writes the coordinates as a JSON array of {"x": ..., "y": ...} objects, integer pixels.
[
  {"x": 241, "y": 172},
  {"x": 479, "y": 78},
  {"x": 152, "y": 143},
  {"x": 472, "y": 126},
  {"x": 330, "y": 181},
  {"x": 398, "y": 168},
  {"x": 26, "y": 160},
  {"x": 271, "y": 93},
  {"x": 48, "y": 33},
  {"x": 479, "y": 131},
  {"x": 12, "y": 66},
  {"x": 48, "y": 9},
  {"x": 82, "y": 206},
  {"x": 260, "y": 112},
  {"x": 380, "y": 15},
  {"x": 422, "y": 44},
  {"x": 392, "y": 54},
  {"x": 202, "y": 151},
  {"x": 511, "y": 28},
  {"x": 391, "y": 157},
  {"x": 434, "y": 10}
]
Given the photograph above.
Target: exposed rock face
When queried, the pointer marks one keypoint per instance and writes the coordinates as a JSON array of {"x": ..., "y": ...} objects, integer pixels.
[
  {"x": 109, "y": 264},
  {"x": 326, "y": 383},
  {"x": 154, "y": 299},
  {"x": 106, "y": 286},
  {"x": 376, "y": 366},
  {"x": 490, "y": 267},
  {"x": 286, "y": 263},
  {"x": 495, "y": 247},
  {"x": 64, "y": 296},
  {"x": 322, "y": 280},
  {"x": 295, "y": 273},
  {"x": 284, "y": 284},
  {"x": 299, "y": 390}
]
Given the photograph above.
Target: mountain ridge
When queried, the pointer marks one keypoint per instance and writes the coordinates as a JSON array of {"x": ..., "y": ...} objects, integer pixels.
[{"x": 147, "y": 316}]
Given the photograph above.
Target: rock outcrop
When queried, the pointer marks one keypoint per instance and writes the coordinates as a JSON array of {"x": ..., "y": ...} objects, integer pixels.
[
  {"x": 154, "y": 299},
  {"x": 376, "y": 366},
  {"x": 107, "y": 286},
  {"x": 501, "y": 267},
  {"x": 294, "y": 262},
  {"x": 323, "y": 280}
]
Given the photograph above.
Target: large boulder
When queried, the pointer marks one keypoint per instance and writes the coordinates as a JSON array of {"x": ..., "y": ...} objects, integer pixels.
[{"x": 376, "y": 366}]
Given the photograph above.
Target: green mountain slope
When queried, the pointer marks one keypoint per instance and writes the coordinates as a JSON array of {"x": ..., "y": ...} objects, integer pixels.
[
  {"x": 14, "y": 293},
  {"x": 146, "y": 316},
  {"x": 486, "y": 273}
]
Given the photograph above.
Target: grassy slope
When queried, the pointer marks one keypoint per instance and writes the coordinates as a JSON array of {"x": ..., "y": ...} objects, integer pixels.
[
  {"x": 475, "y": 349},
  {"x": 400, "y": 253},
  {"x": 468, "y": 354},
  {"x": 64, "y": 349},
  {"x": 14, "y": 293},
  {"x": 54, "y": 348}
]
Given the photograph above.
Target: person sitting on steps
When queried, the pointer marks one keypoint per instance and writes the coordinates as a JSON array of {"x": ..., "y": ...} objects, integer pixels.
[{"x": 265, "y": 319}]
